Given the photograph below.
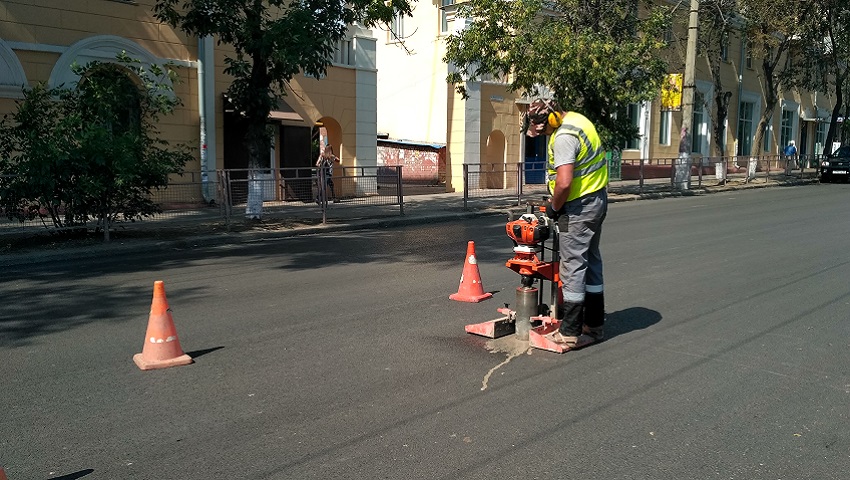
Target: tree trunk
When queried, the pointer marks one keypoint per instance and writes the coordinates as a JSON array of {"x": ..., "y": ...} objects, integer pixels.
[
  {"x": 722, "y": 104},
  {"x": 773, "y": 90},
  {"x": 255, "y": 142},
  {"x": 770, "y": 100},
  {"x": 836, "y": 112},
  {"x": 105, "y": 221}
]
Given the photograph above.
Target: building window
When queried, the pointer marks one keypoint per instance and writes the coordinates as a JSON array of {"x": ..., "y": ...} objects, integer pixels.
[
  {"x": 494, "y": 78},
  {"x": 664, "y": 127},
  {"x": 397, "y": 28},
  {"x": 749, "y": 55},
  {"x": 668, "y": 34},
  {"x": 787, "y": 128},
  {"x": 745, "y": 128},
  {"x": 447, "y": 14},
  {"x": 632, "y": 115},
  {"x": 123, "y": 114},
  {"x": 342, "y": 54},
  {"x": 820, "y": 137},
  {"x": 724, "y": 48},
  {"x": 699, "y": 126}
]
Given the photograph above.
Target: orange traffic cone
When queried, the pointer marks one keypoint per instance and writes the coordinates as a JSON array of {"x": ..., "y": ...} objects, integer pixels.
[
  {"x": 2, "y": 474},
  {"x": 471, "y": 289},
  {"x": 162, "y": 347}
]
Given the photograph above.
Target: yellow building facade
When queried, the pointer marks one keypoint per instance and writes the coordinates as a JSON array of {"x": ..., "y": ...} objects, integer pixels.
[
  {"x": 39, "y": 43},
  {"x": 383, "y": 83},
  {"x": 801, "y": 116}
]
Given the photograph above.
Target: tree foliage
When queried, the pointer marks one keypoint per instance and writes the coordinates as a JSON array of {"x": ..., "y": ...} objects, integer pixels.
[
  {"x": 69, "y": 155},
  {"x": 717, "y": 20},
  {"x": 772, "y": 28},
  {"x": 273, "y": 41},
  {"x": 822, "y": 56},
  {"x": 595, "y": 56}
]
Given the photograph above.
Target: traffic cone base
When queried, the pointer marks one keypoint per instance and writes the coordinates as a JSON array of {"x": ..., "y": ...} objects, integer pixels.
[
  {"x": 470, "y": 289},
  {"x": 162, "y": 347},
  {"x": 470, "y": 298},
  {"x": 154, "y": 364}
]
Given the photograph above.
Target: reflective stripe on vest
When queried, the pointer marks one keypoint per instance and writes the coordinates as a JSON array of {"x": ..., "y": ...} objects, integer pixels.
[{"x": 590, "y": 172}]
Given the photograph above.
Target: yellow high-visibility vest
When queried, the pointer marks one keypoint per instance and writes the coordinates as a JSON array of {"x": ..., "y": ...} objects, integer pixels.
[{"x": 590, "y": 172}]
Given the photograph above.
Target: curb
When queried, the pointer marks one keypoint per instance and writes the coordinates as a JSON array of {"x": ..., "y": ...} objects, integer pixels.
[{"x": 248, "y": 237}]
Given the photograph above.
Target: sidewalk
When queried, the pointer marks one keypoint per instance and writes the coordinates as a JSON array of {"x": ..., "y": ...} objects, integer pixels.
[{"x": 198, "y": 229}]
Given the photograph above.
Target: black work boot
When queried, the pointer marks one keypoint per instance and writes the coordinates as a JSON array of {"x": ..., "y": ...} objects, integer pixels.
[
  {"x": 572, "y": 334},
  {"x": 571, "y": 321},
  {"x": 594, "y": 315}
]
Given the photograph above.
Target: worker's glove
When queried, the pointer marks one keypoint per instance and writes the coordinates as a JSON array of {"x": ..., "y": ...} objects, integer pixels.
[{"x": 551, "y": 212}]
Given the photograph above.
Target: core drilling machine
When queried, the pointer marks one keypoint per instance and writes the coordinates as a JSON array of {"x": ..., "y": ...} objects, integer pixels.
[{"x": 532, "y": 318}]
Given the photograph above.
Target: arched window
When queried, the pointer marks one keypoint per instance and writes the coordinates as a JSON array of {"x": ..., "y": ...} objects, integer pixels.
[
  {"x": 101, "y": 48},
  {"x": 112, "y": 97},
  {"x": 12, "y": 77}
]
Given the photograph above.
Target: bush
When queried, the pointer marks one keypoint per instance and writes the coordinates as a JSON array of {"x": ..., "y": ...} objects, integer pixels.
[{"x": 93, "y": 152}]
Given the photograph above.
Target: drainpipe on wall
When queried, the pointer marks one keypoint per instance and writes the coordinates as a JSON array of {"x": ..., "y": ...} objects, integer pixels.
[
  {"x": 740, "y": 94},
  {"x": 645, "y": 128},
  {"x": 206, "y": 112}
]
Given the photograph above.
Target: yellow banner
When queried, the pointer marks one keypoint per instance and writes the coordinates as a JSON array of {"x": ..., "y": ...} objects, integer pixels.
[{"x": 671, "y": 92}]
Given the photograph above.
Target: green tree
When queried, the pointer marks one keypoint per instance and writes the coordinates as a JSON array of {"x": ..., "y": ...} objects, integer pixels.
[
  {"x": 822, "y": 58},
  {"x": 90, "y": 152},
  {"x": 717, "y": 19},
  {"x": 273, "y": 40},
  {"x": 772, "y": 28},
  {"x": 37, "y": 161},
  {"x": 594, "y": 56}
]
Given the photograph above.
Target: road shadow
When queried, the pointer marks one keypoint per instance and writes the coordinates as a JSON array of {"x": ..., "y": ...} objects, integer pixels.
[
  {"x": 629, "y": 320},
  {"x": 34, "y": 306},
  {"x": 73, "y": 476},
  {"x": 198, "y": 353}
]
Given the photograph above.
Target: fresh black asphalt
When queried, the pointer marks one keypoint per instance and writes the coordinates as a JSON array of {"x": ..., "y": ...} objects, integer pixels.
[{"x": 341, "y": 356}]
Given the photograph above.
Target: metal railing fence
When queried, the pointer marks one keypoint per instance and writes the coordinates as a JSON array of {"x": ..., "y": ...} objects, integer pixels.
[
  {"x": 481, "y": 180},
  {"x": 305, "y": 194},
  {"x": 306, "y": 190},
  {"x": 223, "y": 195},
  {"x": 747, "y": 167},
  {"x": 187, "y": 195},
  {"x": 510, "y": 180}
]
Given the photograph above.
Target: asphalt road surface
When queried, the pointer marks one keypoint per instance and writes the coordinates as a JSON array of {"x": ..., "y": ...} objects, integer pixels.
[{"x": 341, "y": 356}]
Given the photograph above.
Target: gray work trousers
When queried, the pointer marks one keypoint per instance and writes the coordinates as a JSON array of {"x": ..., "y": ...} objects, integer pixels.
[{"x": 580, "y": 230}]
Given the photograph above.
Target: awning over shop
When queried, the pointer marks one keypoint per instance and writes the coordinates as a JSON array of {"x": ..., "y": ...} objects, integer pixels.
[
  {"x": 806, "y": 115},
  {"x": 285, "y": 114},
  {"x": 290, "y": 116}
]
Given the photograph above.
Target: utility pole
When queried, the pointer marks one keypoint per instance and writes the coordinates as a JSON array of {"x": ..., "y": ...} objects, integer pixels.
[{"x": 682, "y": 172}]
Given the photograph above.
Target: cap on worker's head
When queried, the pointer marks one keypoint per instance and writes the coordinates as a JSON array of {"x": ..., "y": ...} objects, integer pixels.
[{"x": 538, "y": 117}]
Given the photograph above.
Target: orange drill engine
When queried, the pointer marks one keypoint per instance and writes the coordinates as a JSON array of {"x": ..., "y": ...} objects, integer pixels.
[
  {"x": 528, "y": 234},
  {"x": 528, "y": 230}
]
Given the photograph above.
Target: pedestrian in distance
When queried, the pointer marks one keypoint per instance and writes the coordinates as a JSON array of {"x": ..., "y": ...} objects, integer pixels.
[
  {"x": 790, "y": 155},
  {"x": 577, "y": 181},
  {"x": 325, "y": 166}
]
